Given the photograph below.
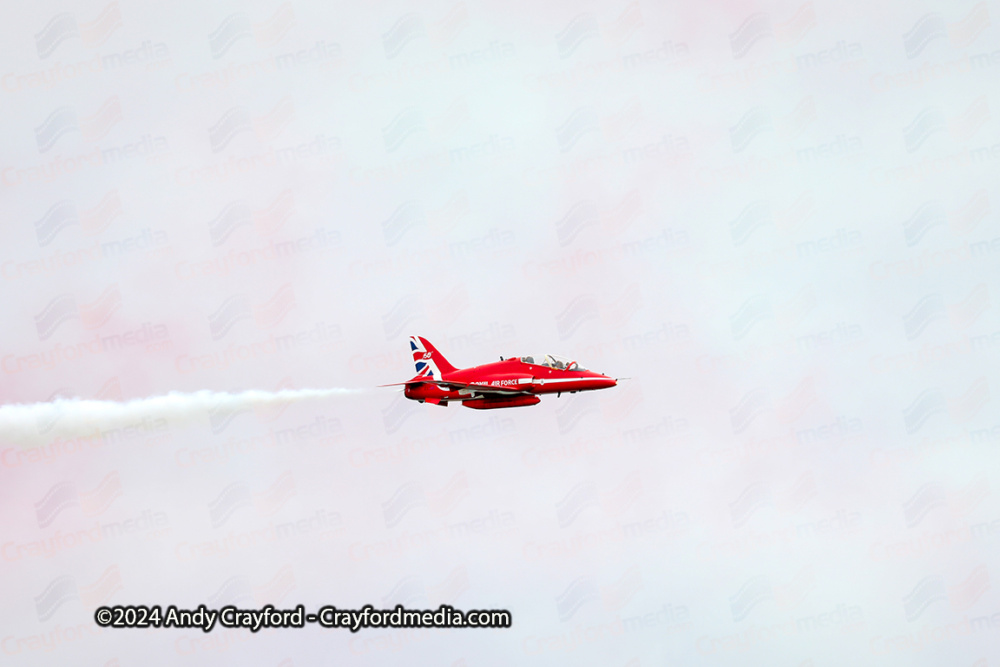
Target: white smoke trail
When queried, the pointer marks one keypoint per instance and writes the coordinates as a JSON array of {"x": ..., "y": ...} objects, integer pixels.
[{"x": 33, "y": 424}]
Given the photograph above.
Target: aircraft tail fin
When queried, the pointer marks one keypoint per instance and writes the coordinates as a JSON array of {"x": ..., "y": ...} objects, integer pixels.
[{"x": 429, "y": 362}]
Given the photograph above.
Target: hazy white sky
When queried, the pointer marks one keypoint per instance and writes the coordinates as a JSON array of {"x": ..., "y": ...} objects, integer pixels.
[{"x": 777, "y": 219}]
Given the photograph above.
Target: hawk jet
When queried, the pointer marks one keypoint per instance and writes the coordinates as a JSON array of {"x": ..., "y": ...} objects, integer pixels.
[{"x": 508, "y": 383}]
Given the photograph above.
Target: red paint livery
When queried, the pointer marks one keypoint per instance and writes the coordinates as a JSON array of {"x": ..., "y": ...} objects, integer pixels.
[{"x": 507, "y": 383}]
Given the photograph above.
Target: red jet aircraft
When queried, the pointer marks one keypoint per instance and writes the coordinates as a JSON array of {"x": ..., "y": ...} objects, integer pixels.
[{"x": 507, "y": 383}]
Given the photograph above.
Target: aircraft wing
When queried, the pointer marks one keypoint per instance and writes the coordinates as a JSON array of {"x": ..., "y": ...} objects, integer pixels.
[
  {"x": 469, "y": 386},
  {"x": 486, "y": 389}
]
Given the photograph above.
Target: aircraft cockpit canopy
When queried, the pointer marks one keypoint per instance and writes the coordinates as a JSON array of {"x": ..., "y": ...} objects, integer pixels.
[{"x": 553, "y": 361}]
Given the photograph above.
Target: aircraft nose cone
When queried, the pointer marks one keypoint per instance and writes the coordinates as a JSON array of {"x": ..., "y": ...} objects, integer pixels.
[{"x": 608, "y": 382}]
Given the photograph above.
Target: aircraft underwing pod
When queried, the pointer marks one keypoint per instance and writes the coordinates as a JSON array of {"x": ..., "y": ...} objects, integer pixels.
[{"x": 491, "y": 403}]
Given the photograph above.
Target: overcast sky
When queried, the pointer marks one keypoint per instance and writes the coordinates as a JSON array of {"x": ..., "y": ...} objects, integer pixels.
[{"x": 778, "y": 220}]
